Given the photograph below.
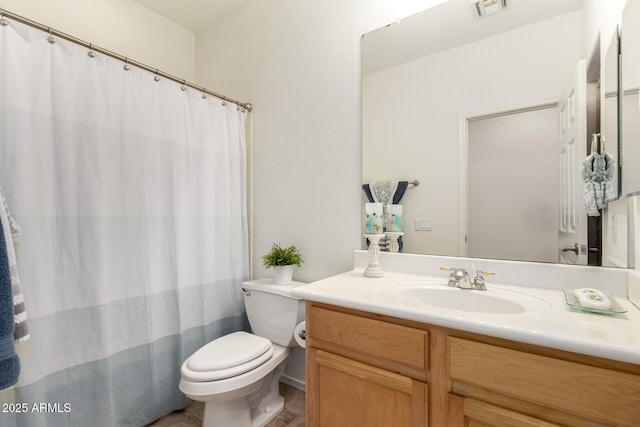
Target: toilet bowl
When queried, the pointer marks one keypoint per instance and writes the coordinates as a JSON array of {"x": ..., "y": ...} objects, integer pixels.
[{"x": 237, "y": 376}]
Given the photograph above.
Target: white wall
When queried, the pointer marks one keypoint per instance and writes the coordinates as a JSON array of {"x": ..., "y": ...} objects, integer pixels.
[
  {"x": 631, "y": 45},
  {"x": 411, "y": 114},
  {"x": 298, "y": 62},
  {"x": 599, "y": 19},
  {"x": 121, "y": 26}
]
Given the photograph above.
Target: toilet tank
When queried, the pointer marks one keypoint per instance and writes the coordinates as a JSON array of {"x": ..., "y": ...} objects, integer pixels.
[{"x": 273, "y": 313}]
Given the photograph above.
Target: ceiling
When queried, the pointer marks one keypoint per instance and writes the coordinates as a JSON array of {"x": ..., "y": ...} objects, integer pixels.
[
  {"x": 193, "y": 15},
  {"x": 449, "y": 25},
  {"x": 445, "y": 26}
]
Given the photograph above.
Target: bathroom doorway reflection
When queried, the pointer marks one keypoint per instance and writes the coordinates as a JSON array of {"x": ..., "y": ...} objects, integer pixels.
[{"x": 513, "y": 185}]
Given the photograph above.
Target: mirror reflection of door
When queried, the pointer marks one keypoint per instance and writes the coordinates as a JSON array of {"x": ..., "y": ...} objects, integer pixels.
[
  {"x": 514, "y": 185},
  {"x": 572, "y": 150}
]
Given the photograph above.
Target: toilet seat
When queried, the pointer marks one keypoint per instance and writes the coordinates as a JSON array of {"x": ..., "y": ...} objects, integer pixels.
[{"x": 227, "y": 357}]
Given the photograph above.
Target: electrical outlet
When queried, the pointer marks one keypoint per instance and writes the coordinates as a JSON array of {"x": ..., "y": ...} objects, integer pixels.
[{"x": 423, "y": 224}]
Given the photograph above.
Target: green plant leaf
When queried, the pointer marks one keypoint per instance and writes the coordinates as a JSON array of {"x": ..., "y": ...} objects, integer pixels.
[{"x": 279, "y": 256}]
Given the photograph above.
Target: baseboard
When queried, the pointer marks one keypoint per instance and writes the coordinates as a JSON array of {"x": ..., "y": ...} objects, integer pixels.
[{"x": 293, "y": 382}]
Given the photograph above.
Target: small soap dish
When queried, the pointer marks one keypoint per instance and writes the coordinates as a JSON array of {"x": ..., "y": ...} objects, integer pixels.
[{"x": 572, "y": 301}]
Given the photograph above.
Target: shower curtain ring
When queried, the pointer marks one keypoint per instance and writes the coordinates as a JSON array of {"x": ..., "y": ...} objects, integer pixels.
[
  {"x": 184, "y": 86},
  {"x": 157, "y": 77},
  {"x": 91, "y": 53},
  {"x": 51, "y": 39},
  {"x": 126, "y": 66},
  {"x": 224, "y": 100},
  {"x": 204, "y": 95},
  {"x": 3, "y": 21}
]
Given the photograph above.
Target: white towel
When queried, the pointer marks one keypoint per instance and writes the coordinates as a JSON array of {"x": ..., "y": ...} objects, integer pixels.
[
  {"x": 597, "y": 173},
  {"x": 383, "y": 191},
  {"x": 590, "y": 194}
]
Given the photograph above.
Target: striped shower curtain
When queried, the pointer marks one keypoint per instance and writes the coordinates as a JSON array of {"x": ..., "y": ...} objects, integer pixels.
[{"x": 131, "y": 196}]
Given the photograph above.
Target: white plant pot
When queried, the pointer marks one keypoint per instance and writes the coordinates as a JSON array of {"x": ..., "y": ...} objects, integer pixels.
[{"x": 283, "y": 274}]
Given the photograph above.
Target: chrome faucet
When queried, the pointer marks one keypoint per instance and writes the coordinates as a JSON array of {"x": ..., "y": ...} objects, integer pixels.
[{"x": 459, "y": 278}]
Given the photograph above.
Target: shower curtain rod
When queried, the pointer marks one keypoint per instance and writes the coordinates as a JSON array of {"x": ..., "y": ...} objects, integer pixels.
[{"x": 52, "y": 32}]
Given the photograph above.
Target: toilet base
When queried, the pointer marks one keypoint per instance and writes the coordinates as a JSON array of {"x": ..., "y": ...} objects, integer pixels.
[
  {"x": 254, "y": 406},
  {"x": 260, "y": 418},
  {"x": 238, "y": 414}
]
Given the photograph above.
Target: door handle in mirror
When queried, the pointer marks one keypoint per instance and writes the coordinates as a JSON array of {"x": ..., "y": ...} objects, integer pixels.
[{"x": 575, "y": 248}]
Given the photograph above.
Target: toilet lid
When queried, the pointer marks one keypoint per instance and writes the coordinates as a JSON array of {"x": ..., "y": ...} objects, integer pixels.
[{"x": 228, "y": 356}]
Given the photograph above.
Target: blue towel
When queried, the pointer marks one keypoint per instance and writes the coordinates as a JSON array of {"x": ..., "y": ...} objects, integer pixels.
[{"x": 9, "y": 362}]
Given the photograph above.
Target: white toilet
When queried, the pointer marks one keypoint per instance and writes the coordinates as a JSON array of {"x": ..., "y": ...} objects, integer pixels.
[{"x": 237, "y": 376}]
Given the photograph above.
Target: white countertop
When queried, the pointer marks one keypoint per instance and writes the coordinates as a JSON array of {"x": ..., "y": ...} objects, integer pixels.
[{"x": 554, "y": 324}]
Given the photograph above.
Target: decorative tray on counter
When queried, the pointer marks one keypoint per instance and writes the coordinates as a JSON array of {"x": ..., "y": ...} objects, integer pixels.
[{"x": 572, "y": 301}]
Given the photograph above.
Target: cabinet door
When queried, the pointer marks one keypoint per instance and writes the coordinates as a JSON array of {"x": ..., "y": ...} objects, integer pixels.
[{"x": 343, "y": 392}]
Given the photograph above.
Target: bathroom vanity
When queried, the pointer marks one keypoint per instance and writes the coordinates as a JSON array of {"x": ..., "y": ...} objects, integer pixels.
[{"x": 378, "y": 354}]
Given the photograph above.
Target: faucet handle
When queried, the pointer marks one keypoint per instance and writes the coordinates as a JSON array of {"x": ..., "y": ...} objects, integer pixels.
[
  {"x": 478, "y": 281},
  {"x": 453, "y": 280},
  {"x": 452, "y": 270},
  {"x": 485, "y": 273}
]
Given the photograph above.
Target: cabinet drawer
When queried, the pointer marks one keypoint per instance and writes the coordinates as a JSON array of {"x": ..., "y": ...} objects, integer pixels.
[
  {"x": 480, "y": 414},
  {"x": 606, "y": 395},
  {"x": 401, "y": 344}
]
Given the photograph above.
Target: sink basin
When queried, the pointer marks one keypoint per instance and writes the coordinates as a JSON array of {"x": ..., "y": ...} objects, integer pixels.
[{"x": 495, "y": 301}]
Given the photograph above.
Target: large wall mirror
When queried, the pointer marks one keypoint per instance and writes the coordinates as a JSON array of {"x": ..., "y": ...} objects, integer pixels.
[{"x": 481, "y": 127}]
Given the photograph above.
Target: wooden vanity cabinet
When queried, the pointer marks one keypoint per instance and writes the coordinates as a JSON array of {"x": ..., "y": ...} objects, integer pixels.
[
  {"x": 349, "y": 393},
  {"x": 365, "y": 369},
  {"x": 362, "y": 371}
]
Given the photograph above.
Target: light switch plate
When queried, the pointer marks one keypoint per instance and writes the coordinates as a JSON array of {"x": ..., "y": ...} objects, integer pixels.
[{"x": 423, "y": 224}]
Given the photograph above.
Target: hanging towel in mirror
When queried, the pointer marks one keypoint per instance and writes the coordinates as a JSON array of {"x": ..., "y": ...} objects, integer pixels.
[
  {"x": 9, "y": 362},
  {"x": 589, "y": 194},
  {"x": 11, "y": 231},
  {"x": 385, "y": 192},
  {"x": 597, "y": 173}
]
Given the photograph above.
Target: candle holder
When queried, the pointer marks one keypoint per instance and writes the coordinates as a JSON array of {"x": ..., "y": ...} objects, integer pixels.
[
  {"x": 393, "y": 237},
  {"x": 374, "y": 269}
]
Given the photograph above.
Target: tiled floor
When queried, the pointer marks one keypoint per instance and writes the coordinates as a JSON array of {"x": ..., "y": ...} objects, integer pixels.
[{"x": 291, "y": 416}]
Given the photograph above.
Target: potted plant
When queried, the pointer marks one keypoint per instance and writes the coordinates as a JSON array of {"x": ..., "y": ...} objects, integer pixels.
[{"x": 282, "y": 260}]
